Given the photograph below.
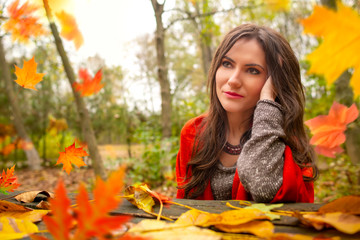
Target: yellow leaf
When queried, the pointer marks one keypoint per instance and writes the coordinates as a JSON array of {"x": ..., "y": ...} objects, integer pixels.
[
  {"x": 343, "y": 222},
  {"x": 341, "y": 44},
  {"x": 278, "y": 5},
  {"x": 69, "y": 28},
  {"x": 262, "y": 229},
  {"x": 288, "y": 236},
  {"x": 197, "y": 218},
  {"x": 33, "y": 216},
  {"x": 140, "y": 198},
  {"x": 16, "y": 228},
  {"x": 27, "y": 76},
  {"x": 160, "y": 230}
]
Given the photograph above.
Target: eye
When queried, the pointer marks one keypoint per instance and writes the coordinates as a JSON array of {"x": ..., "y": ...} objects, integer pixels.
[
  {"x": 226, "y": 64},
  {"x": 253, "y": 71}
]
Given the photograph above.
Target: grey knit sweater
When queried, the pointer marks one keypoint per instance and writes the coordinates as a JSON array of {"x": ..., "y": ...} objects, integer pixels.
[{"x": 260, "y": 164}]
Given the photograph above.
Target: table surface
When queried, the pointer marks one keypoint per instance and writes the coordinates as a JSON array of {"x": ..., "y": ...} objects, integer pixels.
[{"x": 285, "y": 224}]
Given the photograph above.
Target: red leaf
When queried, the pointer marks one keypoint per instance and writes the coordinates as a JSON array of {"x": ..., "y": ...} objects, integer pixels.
[
  {"x": 7, "y": 181},
  {"x": 328, "y": 130},
  {"x": 89, "y": 86}
]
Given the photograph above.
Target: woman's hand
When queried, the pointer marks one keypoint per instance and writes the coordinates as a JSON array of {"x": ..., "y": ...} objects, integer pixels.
[{"x": 267, "y": 92}]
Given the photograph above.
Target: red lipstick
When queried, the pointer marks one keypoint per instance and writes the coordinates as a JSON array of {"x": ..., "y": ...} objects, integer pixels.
[{"x": 233, "y": 95}]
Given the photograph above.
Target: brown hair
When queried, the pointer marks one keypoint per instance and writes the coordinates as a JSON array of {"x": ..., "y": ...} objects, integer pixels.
[{"x": 284, "y": 68}]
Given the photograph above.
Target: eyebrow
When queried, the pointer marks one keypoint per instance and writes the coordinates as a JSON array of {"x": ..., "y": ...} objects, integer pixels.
[{"x": 248, "y": 65}]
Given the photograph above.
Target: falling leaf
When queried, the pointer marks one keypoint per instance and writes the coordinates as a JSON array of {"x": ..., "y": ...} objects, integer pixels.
[
  {"x": 343, "y": 222},
  {"x": 61, "y": 221},
  {"x": 328, "y": 130},
  {"x": 12, "y": 228},
  {"x": 89, "y": 86},
  {"x": 23, "y": 23},
  {"x": 262, "y": 229},
  {"x": 57, "y": 125},
  {"x": 346, "y": 204},
  {"x": 278, "y": 5},
  {"x": 72, "y": 155},
  {"x": 27, "y": 76},
  {"x": 69, "y": 28},
  {"x": 28, "y": 197},
  {"x": 8, "y": 181},
  {"x": 162, "y": 230},
  {"x": 336, "y": 52}
]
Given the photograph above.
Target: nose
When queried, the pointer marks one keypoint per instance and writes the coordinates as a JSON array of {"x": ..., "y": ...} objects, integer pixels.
[{"x": 235, "y": 80}]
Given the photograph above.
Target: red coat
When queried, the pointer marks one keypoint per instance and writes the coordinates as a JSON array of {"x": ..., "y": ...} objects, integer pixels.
[{"x": 293, "y": 188}]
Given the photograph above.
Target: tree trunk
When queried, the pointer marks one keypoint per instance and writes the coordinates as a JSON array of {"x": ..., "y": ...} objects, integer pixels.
[
  {"x": 87, "y": 130},
  {"x": 34, "y": 161},
  {"x": 166, "y": 106}
]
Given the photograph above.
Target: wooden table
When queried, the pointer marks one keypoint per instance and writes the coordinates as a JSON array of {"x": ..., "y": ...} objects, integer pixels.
[{"x": 285, "y": 224}]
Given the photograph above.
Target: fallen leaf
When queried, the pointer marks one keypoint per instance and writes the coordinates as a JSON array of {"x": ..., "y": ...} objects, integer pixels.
[
  {"x": 89, "y": 85},
  {"x": 43, "y": 205},
  {"x": 328, "y": 130},
  {"x": 140, "y": 198},
  {"x": 72, "y": 155},
  {"x": 69, "y": 28},
  {"x": 33, "y": 215},
  {"x": 28, "y": 197},
  {"x": 9, "y": 206},
  {"x": 22, "y": 22},
  {"x": 288, "y": 236},
  {"x": 337, "y": 43},
  {"x": 343, "y": 222},
  {"x": 27, "y": 76},
  {"x": 266, "y": 209},
  {"x": 197, "y": 218},
  {"x": 12, "y": 228},
  {"x": 8, "y": 181},
  {"x": 154, "y": 229},
  {"x": 347, "y": 204},
  {"x": 263, "y": 229}
]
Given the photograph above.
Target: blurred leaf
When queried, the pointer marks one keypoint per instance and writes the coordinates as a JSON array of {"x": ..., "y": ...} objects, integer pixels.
[
  {"x": 69, "y": 28},
  {"x": 9, "y": 206},
  {"x": 336, "y": 52},
  {"x": 72, "y": 155},
  {"x": 328, "y": 130},
  {"x": 22, "y": 23},
  {"x": 347, "y": 204},
  {"x": 278, "y": 5},
  {"x": 12, "y": 228},
  {"x": 262, "y": 229},
  {"x": 89, "y": 86},
  {"x": 27, "y": 76},
  {"x": 29, "y": 196}
]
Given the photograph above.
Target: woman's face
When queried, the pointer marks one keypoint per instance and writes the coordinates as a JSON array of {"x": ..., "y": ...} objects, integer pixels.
[{"x": 241, "y": 76}]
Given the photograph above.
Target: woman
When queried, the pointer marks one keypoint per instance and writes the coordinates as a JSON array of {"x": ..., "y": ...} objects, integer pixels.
[{"x": 251, "y": 144}]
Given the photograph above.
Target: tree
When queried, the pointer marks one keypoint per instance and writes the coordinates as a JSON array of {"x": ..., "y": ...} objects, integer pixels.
[
  {"x": 32, "y": 155},
  {"x": 87, "y": 130}
]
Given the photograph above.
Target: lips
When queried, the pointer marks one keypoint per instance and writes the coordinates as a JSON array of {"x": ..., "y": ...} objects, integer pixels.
[{"x": 233, "y": 95}]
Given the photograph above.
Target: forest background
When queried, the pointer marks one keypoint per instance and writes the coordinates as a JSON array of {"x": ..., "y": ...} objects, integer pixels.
[{"x": 142, "y": 130}]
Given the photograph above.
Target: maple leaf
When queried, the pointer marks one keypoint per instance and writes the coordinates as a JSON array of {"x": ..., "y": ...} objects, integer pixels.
[
  {"x": 72, "y": 155},
  {"x": 7, "y": 181},
  {"x": 89, "y": 86},
  {"x": 61, "y": 221},
  {"x": 22, "y": 23},
  {"x": 336, "y": 52},
  {"x": 27, "y": 76},
  {"x": 69, "y": 28},
  {"x": 328, "y": 130}
]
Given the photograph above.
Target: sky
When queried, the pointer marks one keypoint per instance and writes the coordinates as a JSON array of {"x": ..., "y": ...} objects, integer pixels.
[{"x": 109, "y": 25}]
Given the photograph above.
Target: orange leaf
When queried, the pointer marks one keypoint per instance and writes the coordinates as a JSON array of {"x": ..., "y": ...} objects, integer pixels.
[
  {"x": 338, "y": 43},
  {"x": 69, "y": 28},
  {"x": 8, "y": 149},
  {"x": 93, "y": 218},
  {"x": 348, "y": 204},
  {"x": 61, "y": 221},
  {"x": 22, "y": 23},
  {"x": 89, "y": 86},
  {"x": 27, "y": 76},
  {"x": 72, "y": 155},
  {"x": 328, "y": 130},
  {"x": 7, "y": 181}
]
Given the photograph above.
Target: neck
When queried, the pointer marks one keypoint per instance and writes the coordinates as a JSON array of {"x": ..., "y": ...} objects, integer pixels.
[{"x": 238, "y": 125}]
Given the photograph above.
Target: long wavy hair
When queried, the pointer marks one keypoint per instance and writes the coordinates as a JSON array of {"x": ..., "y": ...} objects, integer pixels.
[{"x": 284, "y": 68}]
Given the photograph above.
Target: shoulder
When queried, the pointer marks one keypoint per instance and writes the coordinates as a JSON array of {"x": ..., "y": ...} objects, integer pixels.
[{"x": 191, "y": 126}]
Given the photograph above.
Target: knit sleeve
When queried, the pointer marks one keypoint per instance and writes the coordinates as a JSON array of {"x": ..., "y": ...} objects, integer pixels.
[{"x": 260, "y": 164}]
